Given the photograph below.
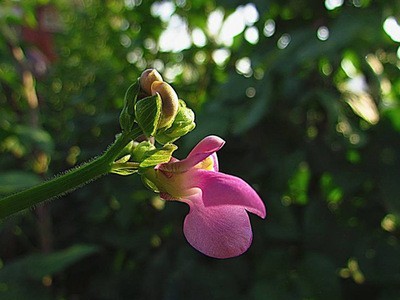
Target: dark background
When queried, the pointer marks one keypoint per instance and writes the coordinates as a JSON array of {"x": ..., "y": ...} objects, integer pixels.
[{"x": 310, "y": 112}]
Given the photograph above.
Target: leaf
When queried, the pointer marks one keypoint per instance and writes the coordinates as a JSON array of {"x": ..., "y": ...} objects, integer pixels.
[
  {"x": 13, "y": 181},
  {"x": 31, "y": 291},
  {"x": 148, "y": 112},
  {"x": 255, "y": 109},
  {"x": 127, "y": 116},
  {"x": 318, "y": 278},
  {"x": 298, "y": 184},
  {"x": 131, "y": 97},
  {"x": 158, "y": 156},
  {"x": 35, "y": 138},
  {"x": 381, "y": 265},
  {"x": 36, "y": 266}
]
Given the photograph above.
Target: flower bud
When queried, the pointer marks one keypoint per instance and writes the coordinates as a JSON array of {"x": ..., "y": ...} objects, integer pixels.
[
  {"x": 170, "y": 102},
  {"x": 147, "y": 78},
  {"x": 183, "y": 123}
]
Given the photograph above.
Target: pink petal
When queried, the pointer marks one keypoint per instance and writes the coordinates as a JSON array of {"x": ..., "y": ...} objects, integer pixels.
[
  {"x": 214, "y": 158},
  {"x": 217, "y": 231},
  {"x": 206, "y": 147},
  {"x": 222, "y": 189}
]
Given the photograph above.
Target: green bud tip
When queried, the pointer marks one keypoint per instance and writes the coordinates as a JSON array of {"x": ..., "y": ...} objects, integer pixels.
[{"x": 147, "y": 78}]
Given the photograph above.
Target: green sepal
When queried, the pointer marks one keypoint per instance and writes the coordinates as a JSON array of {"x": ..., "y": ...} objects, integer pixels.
[
  {"x": 148, "y": 156},
  {"x": 125, "y": 171},
  {"x": 139, "y": 151},
  {"x": 124, "y": 167},
  {"x": 124, "y": 159},
  {"x": 183, "y": 123},
  {"x": 157, "y": 156},
  {"x": 148, "y": 112},
  {"x": 127, "y": 149},
  {"x": 127, "y": 116},
  {"x": 149, "y": 184}
]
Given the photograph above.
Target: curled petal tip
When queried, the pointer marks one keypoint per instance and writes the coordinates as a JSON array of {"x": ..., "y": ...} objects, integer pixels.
[
  {"x": 170, "y": 102},
  {"x": 213, "y": 142},
  {"x": 208, "y": 145},
  {"x": 147, "y": 78},
  {"x": 262, "y": 211},
  {"x": 205, "y": 148}
]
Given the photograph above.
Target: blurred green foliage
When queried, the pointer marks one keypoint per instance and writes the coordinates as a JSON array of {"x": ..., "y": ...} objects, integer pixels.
[{"x": 310, "y": 110}]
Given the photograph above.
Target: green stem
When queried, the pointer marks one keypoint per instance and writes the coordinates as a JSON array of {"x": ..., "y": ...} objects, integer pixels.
[{"x": 69, "y": 181}]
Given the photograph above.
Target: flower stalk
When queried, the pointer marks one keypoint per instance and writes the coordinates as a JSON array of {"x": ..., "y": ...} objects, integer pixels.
[{"x": 68, "y": 181}]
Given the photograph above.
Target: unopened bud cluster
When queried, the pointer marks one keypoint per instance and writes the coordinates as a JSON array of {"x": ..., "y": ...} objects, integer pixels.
[{"x": 151, "y": 83}]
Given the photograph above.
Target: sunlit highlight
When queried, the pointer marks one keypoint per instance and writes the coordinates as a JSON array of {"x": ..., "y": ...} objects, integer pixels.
[
  {"x": 323, "y": 33},
  {"x": 243, "y": 66},
  {"x": 125, "y": 40},
  {"x": 214, "y": 22},
  {"x": 251, "y": 92},
  {"x": 134, "y": 56},
  {"x": 198, "y": 37},
  {"x": 130, "y": 4},
  {"x": 356, "y": 94},
  {"x": 234, "y": 24},
  {"x": 375, "y": 64},
  {"x": 220, "y": 56},
  {"x": 200, "y": 57},
  {"x": 332, "y": 4},
  {"x": 251, "y": 35},
  {"x": 176, "y": 37},
  {"x": 284, "y": 41},
  {"x": 349, "y": 68},
  {"x": 389, "y": 223},
  {"x": 173, "y": 70},
  {"x": 163, "y": 10},
  {"x": 355, "y": 271},
  {"x": 392, "y": 28},
  {"x": 269, "y": 28}
]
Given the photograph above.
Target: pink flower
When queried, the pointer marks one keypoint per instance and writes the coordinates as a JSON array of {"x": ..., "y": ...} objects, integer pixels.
[{"x": 217, "y": 224}]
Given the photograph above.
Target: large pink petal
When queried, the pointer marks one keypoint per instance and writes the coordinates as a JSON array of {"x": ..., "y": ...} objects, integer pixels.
[
  {"x": 217, "y": 231},
  {"x": 222, "y": 189},
  {"x": 206, "y": 147}
]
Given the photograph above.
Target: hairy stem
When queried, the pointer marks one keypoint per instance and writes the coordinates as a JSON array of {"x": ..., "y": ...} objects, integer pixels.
[{"x": 67, "y": 182}]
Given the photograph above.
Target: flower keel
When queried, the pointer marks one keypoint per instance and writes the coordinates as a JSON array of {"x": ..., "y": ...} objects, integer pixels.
[{"x": 218, "y": 231}]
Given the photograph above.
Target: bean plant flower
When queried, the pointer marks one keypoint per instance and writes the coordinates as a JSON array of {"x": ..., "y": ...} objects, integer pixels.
[{"x": 217, "y": 224}]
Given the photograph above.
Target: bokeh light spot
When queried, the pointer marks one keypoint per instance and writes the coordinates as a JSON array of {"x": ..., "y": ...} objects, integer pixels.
[
  {"x": 251, "y": 35},
  {"x": 243, "y": 66},
  {"x": 332, "y": 4},
  {"x": 284, "y": 41},
  {"x": 323, "y": 33},
  {"x": 269, "y": 28}
]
